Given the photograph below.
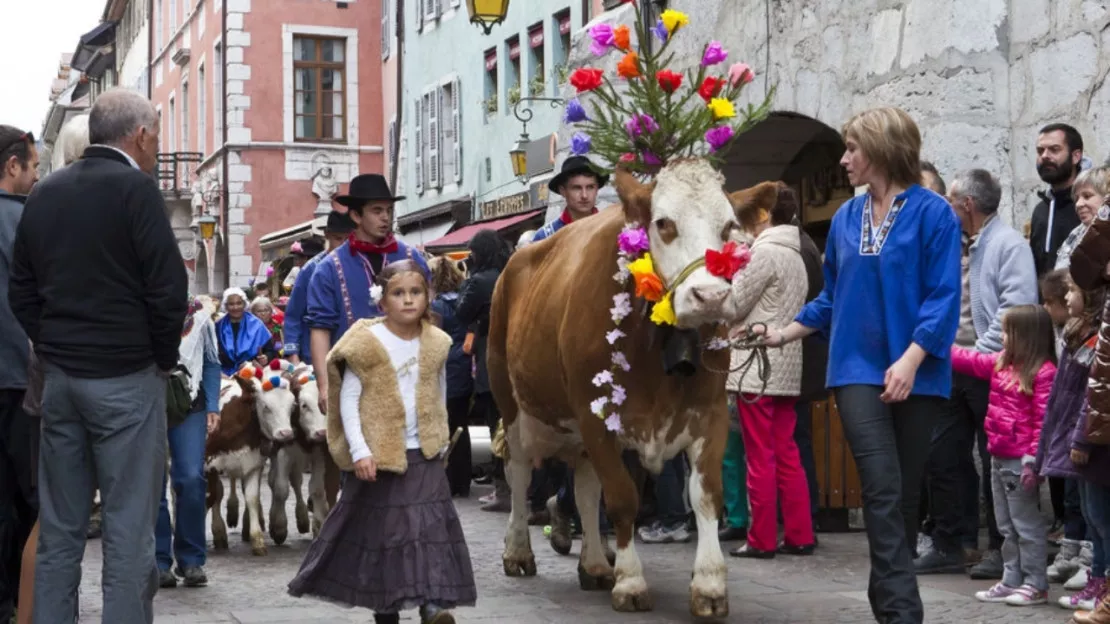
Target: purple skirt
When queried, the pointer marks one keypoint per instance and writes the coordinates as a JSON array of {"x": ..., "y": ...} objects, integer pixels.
[{"x": 391, "y": 544}]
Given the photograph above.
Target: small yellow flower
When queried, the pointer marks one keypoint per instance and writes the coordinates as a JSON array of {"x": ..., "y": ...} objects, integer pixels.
[
  {"x": 673, "y": 20},
  {"x": 662, "y": 313},
  {"x": 721, "y": 108},
  {"x": 642, "y": 266}
]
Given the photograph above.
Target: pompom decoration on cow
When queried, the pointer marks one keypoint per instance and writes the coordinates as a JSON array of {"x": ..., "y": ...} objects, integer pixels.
[{"x": 585, "y": 362}]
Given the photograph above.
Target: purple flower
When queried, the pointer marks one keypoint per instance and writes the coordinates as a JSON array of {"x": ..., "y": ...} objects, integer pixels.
[
  {"x": 718, "y": 137},
  {"x": 613, "y": 336},
  {"x": 622, "y": 307},
  {"x": 580, "y": 144},
  {"x": 602, "y": 378},
  {"x": 633, "y": 242},
  {"x": 717, "y": 344},
  {"x": 575, "y": 112},
  {"x": 597, "y": 406},
  {"x": 650, "y": 158},
  {"x": 641, "y": 124},
  {"x": 660, "y": 31},
  {"x": 619, "y": 395},
  {"x": 621, "y": 361},
  {"x": 602, "y": 35},
  {"x": 613, "y": 423},
  {"x": 714, "y": 54}
]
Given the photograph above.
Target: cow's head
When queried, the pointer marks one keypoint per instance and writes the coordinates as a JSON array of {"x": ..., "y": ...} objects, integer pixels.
[
  {"x": 313, "y": 422},
  {"x": 274, "y": 399},
  {"x": 685, "y": 212}
]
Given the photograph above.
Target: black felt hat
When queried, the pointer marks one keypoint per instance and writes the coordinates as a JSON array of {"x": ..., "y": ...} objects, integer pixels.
[
  {"x": 576, "y": 165},
  {"x": 367, "y": 187},
  {"x": 339, "y": 223}
]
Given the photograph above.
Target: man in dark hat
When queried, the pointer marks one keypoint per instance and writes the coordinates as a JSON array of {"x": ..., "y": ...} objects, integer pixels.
[
  {"x": 339, "y": 293},
  {"x": 338, "y": 228},
  {"x": 578, "y": 182}
]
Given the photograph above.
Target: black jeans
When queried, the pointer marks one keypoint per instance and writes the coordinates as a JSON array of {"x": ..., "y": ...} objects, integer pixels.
[
  {"x": 954, "y": 486},
  {"x": 803, "y": 437},
  {"x": 459, "y": 466},
  {"x": 18, "y": 499},
  {"x": 886, "y": 442}
]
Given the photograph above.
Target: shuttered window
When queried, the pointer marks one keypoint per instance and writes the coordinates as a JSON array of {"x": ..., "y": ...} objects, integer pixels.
[
  {"x": 386, "y": 34},
  {"x": 433, "y": 138},
  {"x": 391, "y": 137},
  {"x": 418, "y": 144}
]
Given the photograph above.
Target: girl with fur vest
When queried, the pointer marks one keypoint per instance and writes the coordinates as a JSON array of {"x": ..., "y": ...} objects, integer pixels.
[
  {"x": 393, "y": 541},
  {"x": 1021, "y": 380}
]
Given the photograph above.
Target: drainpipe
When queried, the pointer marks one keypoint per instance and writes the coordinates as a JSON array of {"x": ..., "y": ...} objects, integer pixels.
[
  {"x": 223, "y": 148},
  {"x": 400, "y": 104},
  {"x": 149, "y": 49}
]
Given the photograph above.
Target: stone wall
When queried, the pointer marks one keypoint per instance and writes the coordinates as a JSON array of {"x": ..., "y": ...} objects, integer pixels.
[{"x": 980, "y": 80}]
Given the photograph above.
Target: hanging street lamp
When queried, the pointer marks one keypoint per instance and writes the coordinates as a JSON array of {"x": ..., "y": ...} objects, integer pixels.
[
  {"x": 487, "y": 13},
  {"x": 207, "y": 226}
]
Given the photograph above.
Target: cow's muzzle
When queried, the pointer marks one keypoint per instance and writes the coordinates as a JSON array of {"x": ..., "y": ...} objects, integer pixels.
[{"x": 681, "y": 351}]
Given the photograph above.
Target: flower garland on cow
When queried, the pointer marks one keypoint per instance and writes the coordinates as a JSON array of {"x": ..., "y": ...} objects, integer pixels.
[{"x": 645, "y": 122}]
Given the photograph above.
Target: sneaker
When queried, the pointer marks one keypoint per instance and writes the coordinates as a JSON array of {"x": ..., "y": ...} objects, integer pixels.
[
  {"x": 936, "y": 562},
  {"x": 1066, "y": 563},
  {"x": 1085, "y": 598},
  {"x": 988, "y": 568},
  {"x": 194, "y": 576},
  {"x": 659, "y": 534},
  {"x": 1078, "y": 580},
  {"x": 999, "y": 592},
  {"x": 1026, "y": 596},
  {"x": 166, "y": 579},
  {"x": 924, "y": 544}
]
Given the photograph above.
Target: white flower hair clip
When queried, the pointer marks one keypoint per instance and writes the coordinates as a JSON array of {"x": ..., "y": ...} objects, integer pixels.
[{"x": 376, "y": 292}]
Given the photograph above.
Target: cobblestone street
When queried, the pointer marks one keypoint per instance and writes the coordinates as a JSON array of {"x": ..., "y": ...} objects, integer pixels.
[{"x": 828, "y": 587}]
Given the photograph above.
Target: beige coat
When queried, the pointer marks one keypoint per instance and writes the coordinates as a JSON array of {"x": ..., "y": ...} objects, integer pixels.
[
  {"x": 771, "y": 290},
  {"x": 380, "y": 406}
]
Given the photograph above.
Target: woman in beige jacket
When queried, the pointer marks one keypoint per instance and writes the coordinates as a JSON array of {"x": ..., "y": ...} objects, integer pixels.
[{"x": 771, "y": 290}]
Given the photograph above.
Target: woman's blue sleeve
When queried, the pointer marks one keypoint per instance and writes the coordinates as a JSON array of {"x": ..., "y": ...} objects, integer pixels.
[{"x": 210, "y": 381}]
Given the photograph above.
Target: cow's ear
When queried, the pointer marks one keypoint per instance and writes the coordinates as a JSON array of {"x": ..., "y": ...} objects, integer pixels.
[
  {"x": 635, "y": 196},
  {"x": 753, "y": 205}
]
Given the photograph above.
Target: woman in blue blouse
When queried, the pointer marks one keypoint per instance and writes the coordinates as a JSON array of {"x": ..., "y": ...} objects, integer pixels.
[
  {"x": 890, "y": 308},
  {"x": 242, "y": 336}
]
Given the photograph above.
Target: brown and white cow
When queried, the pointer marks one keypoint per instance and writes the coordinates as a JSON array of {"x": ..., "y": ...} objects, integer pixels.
[
  {"x": 547, "y": 339},
  {"x": 252, "y": 412},
  {"x": 307, "y": 450}
]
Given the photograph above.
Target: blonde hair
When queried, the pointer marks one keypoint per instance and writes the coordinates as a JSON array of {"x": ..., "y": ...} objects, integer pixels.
[
  {"x": 72, "y": 140},
  {"x": 890, "y": 139},
  {"x": 446, "y": 275},
  {"x": 1098, "y": 178}
]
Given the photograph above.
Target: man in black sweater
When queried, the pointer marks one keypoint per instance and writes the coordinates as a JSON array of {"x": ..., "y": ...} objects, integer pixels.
[
  {"x": 1059, "y": 152},
  {"x": 100, "y": 288}
]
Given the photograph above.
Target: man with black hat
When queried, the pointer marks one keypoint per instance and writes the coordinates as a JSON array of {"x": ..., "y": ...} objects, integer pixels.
[
  {"x": 339, "y": 293},
  {"x": 297, "y": 346},
  {"x": 578, "y": 182}
]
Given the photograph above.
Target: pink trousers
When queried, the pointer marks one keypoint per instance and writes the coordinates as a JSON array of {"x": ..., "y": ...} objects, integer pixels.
[{"x": 774, "y": 471}]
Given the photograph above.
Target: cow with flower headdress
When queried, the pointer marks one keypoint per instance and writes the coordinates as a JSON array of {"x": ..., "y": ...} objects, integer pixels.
[{"x": 608, "y": 335}]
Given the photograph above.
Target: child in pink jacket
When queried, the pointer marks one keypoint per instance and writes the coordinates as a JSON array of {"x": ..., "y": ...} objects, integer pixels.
[{"x": 1021, "y": 379}]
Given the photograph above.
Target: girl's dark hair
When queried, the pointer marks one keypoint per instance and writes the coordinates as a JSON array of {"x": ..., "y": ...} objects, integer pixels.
[
  {"x": 1030, "y": 342},
  {"x": 1054, "y": 286},
  {"x": 489, "y": 251},
  {"x": 785, "y": 211},
  {"x": 1080, "y": 328},
  {"x": 396, "y": 269}
]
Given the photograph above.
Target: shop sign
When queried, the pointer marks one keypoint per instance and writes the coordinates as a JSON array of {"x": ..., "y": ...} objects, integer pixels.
[
  {"x": 508, "y": 205},
  {"x": 539, "y": 194}
]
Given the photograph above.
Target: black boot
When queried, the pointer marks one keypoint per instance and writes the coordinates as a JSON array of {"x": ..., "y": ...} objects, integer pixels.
[{"x": 387, "y": 618}]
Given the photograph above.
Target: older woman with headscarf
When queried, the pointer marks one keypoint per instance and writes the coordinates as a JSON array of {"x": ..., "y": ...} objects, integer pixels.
[
  {"x": 242, "y": 336},
  {"x": 183, "y": 541}
]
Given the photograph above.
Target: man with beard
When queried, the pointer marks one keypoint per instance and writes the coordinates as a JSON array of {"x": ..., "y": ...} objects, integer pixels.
[{"x": 1059, "y": 152}]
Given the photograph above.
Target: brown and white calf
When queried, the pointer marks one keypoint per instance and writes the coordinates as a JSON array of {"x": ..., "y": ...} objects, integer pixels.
[
  {"x": 253, "y": 413},
  {"x": 288, "y": 462}
]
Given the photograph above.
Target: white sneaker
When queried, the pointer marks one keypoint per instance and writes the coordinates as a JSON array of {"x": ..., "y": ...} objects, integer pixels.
[
  {"x": 1078, "y": 580},
  {"x": 1066, "y": 562}
]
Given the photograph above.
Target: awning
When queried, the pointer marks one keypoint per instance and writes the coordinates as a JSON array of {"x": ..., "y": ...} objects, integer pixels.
[
  {"x": 102, "y": 35},
  {"x": 462, "y": 236},
  {"x": 290, "y": 235},
  {"x": 419, "y": 237}
]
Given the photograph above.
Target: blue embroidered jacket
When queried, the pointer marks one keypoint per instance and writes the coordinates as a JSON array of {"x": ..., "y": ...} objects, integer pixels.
[
  {"x": 296, "y": 311},
  {"x": 549, "y": 229}
]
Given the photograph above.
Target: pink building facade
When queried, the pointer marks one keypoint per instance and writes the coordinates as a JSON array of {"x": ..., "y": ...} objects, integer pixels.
[{"x": 268, "y": 109}]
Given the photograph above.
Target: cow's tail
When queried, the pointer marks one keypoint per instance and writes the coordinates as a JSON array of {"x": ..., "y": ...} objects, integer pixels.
[{"x": 496, "y": 351}]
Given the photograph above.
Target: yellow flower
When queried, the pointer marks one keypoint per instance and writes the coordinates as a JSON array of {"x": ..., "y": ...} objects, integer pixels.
[
  {"x": 673, "y": 20},
  {"x": 662, "y": 313},
  {"x": 721, "y": 108},
  {"x": 642, "y": 266}
]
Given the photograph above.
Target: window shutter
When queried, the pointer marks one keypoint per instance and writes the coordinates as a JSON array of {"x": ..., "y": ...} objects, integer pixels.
[
  {"x": 418, "y": 145},
  {"x": 455, "y": 3},
  {"x": 386, "y": 39},
  {"x": 433, "y": 139},
  {"x": 392, "y": 138},
  {"x": 420, "y": 14},
  {"x": 430, "y": 7},
  {"x": 438, "y": 8},
  {"x": 456, "y": 125}
]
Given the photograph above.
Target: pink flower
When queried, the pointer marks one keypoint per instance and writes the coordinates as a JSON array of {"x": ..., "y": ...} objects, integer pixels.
[
  {"x": 621, "y": 361},
  {"x": 718, "y": 137},
  {"x": 628, "y": 157},
  {"x": 740, "y": 74},
  {"x": 269, "y": 271},
  {"x": 603, "y": 39},
  {"x": 633, "y": 242},
  {"x": 714, "y": 54},
  {"x": 613, "y": 423}
]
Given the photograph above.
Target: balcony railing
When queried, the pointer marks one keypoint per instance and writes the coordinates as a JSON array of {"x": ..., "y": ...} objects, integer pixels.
[{"x": 177, "y": 170}]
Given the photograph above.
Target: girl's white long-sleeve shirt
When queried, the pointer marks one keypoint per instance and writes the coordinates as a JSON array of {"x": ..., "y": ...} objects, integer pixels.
[{"x": 405, "y": 357}]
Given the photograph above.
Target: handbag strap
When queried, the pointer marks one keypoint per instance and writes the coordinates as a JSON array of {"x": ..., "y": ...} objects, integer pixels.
[{"x": 343, "y": 289}]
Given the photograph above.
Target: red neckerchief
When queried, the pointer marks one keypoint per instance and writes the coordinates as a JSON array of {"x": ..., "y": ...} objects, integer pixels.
[
  {"x": 389, "y": 245},
  {"x": 567, "y": 218}
]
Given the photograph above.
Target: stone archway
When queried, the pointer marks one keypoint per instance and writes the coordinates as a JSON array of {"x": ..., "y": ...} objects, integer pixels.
[{"x": 801, "y": 151}]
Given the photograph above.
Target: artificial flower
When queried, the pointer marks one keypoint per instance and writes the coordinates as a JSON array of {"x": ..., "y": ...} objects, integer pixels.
[
  {"x": 662, "y": 313},
  {"x": 634, "y": 241},
  {"x": 622, "y": 38},
  {"x": 602, "y": 35},
  {"x": 650, "y": 159},
  {"x": 740, "y": 74},
  {"x": 613, "y": 336},
  {"x": 602, "y": 378},
  {"x": 575, "y": 112},
  {"x": 628, "y": 157},
  {"x": 641, "y": 124},
  {"x": 269, "y": 271},
  {"x": 376, "y": 293},
  {"x": 649, "y": 287},
  {"x": 619, "y": 395},
  {"x": 613, "y": 423},
  {"x": 620, "y": 361},
  {"x": 713, "y": 54},
  {"x": 673, "y": 20},
  {"x": 642, "y": 266},
  {"x": 597, "y": 406},
  {"x": 727, "y": 262},
  {"x": 710, "y": 87},
  {"x": 721, "y": 108},
  {"x": 586, "y": 79},
  {"x": 629, "y": 67},
  {"x": 622, "y": 273},
  {"x": 622, "y": 307},
  {"x": 660, "y": 31},
  {"x": 718, "y": 137},
  {"x": 580, "y": 144},
  {"x": 717, "y": 344},
  {"x": 669, "y": 81}
]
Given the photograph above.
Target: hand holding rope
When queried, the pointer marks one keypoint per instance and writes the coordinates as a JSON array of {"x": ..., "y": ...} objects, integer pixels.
[{"x": 751, "y": 339}]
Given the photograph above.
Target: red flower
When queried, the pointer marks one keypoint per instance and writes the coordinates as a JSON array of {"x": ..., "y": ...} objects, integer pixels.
[
  {"x": 711, "y": 87},
  {"x": 586, "y": 79},
  {"x": 727, "y": 262},
  {"x": 669, "y": 81}
]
